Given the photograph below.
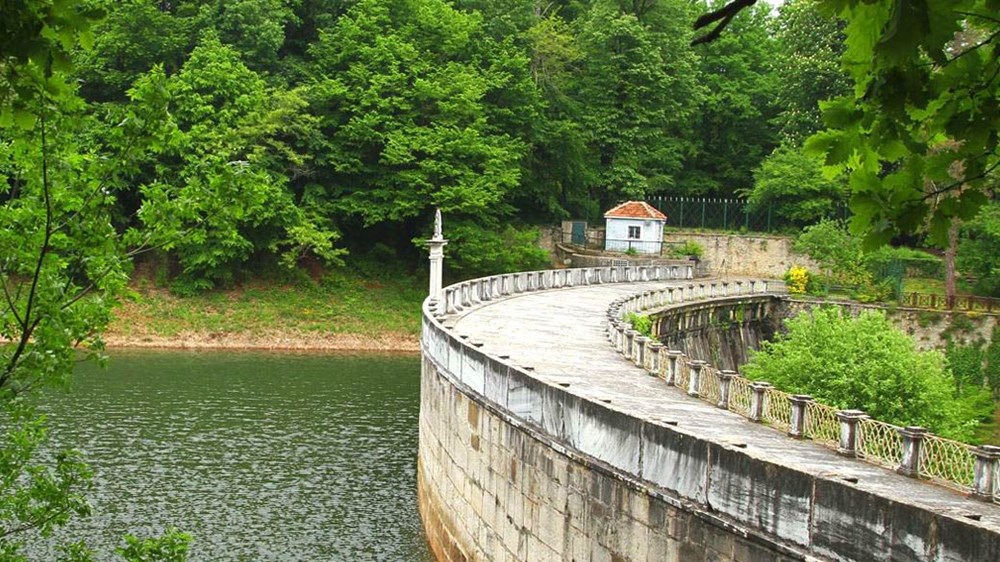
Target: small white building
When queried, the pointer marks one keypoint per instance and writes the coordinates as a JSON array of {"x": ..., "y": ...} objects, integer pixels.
[{"x": 634, "y": 225}]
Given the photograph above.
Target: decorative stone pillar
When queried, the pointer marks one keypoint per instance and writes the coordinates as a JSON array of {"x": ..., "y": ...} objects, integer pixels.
[
  {"x": 913, "y": 438},
  {"x": 847, "y": 445},
  {"x": 797, "y": 427},
  {"x": 673, "y": 358},
  {"x": 725, "y": 382},
  {"x": 694, "y": 381},
  {"x": 757, "y": 400},
  {"x": 629, "y": 342},
  {"x": 739, "y": 287},
  {"x": 984, "y": 484},
  {"x": 653, "y": 348},
  {"x": 639, "y": 350},
  {"x": 436, "y": 246}
]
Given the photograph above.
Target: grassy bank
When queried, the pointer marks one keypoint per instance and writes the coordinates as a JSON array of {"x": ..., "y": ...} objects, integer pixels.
[{"x": 341, "y": 311}]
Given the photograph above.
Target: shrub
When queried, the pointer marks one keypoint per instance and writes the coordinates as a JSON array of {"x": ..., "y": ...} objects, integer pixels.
[
  {"x": 864, "y": 363},
  {"x": 640, "y": 323},
  {"x": 688, "y": 248},
  {"x": 797, "y": 279}
]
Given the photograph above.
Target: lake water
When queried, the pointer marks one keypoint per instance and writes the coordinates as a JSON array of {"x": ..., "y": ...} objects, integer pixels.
[{"x": 261, "y": 456}]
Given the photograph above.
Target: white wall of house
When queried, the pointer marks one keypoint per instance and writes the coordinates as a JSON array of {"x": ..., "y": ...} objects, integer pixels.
[{"x": 621, "y": 235}]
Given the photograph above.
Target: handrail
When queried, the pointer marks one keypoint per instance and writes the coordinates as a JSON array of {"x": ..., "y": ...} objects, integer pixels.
[{"x": 909, "y": 450}]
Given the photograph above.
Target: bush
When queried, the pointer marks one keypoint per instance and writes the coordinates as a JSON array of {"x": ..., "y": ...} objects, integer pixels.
[
  {"x": 797, "y": 279},
  {"x": 687, "y": 249},
  {"x": 864, "y": 363},
  {"x": 640, "y": 323}
]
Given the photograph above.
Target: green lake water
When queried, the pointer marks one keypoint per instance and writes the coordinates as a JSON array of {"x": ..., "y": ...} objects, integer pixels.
[{"x": 261, "y": 456}]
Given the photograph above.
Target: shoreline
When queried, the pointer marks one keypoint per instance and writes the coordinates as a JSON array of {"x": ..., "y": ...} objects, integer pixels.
[{"x": 289, "y": 341}]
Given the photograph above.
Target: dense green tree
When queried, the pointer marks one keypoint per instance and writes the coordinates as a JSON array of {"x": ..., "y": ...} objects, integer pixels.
[
  {"x": 62, "y": 268},
  {"x": 636, "y": 95},
  {"x": 793, "y": 186},
  {"x": 416, "y": 103},
  {"x": 732, "y": 131},
  {"x": 864, "y": 363},
  {"x": 979, "y": 249},
  {"x": 807, "y": 67},
  {"x": 219, "y": 191}
]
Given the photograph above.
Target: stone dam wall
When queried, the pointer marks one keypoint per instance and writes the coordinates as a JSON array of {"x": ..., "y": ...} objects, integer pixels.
[{"x": 513, "y": 468}]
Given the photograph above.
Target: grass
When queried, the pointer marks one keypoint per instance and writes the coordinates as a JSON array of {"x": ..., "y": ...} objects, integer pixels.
[{"x": 340, "y": 303}]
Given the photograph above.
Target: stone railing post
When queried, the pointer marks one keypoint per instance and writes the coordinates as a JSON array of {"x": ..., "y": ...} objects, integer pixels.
[
  {"x": 694, "y": 381},
  {"x": 984, "y": 485},
  {"x": 673, "y": 358},
  {"x": 726, "y": 377},
  {"x": 629, "y": 344},
  {"x": 639, "y": 352},
  {"x": 620, "y": 337},
  {"x": 757, "y": 400},
  {"x": 913, "y": 437},
  {"x": 797, "y": 427},
  {"x": 847, "y": 445},
  {"x": 653, "y": 348}
]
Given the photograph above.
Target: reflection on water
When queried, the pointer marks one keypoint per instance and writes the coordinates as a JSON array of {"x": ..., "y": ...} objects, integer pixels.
[{"x": 260, "y": 456}]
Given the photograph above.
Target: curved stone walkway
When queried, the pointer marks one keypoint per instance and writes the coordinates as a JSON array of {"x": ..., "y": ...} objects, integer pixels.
[{"x": 561, "y": 335}]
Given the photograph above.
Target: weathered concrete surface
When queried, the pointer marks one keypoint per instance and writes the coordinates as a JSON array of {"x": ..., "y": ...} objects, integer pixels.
[{"x": 584, "y": 457}]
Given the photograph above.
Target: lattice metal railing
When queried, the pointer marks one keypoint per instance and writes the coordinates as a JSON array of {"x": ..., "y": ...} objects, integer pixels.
[
  {"x": 822, "y": 424},
  {"x": 740, "y": 396},
  {"x": 777, "y": 409},
  {"x": 948, "y": 462},
  {"x": 879, "y": 443},
  {"x": 709, "y": 388}
]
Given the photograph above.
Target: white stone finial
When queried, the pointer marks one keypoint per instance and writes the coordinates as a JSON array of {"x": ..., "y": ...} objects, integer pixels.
[{"x": 438, "y": 235}]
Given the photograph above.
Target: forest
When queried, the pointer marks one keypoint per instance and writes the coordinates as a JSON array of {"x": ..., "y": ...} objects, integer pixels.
[{"x": 254, "y": 135}]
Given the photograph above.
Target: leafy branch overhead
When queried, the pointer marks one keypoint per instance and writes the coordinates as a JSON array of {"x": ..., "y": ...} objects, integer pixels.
[{"x": 919, "y": 134}]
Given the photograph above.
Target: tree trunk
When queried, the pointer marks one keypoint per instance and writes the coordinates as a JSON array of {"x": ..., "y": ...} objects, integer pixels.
[{"x": 949, "y": 263}]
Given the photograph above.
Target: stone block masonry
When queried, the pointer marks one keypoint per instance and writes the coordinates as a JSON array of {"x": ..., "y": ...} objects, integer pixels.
[{"x": 492, "y": 491}]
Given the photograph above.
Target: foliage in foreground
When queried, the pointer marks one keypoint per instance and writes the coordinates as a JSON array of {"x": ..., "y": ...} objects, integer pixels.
[{"x": 864, "y": 363}]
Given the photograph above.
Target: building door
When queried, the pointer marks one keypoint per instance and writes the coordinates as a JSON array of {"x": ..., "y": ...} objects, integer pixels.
[{"x": 579, "y": 233}]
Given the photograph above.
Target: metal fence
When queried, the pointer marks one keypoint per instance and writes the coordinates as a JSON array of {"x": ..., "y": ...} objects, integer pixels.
[
  {"x": 629, "y": 247},
  {"x": 727, "y": 214},
  {"x": 967, "y": 303}
]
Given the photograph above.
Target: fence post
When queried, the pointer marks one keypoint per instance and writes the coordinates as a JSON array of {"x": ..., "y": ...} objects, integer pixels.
[
  {"x": 673, "y": 356},
  {"x": 847, "y": 445},
  {"x": 984, "y": 486},
  {"x": 913, "y": 437},
  {"x": 694, "y": 381},
  {"x": 725, "y": 381},
  {"x": 757, "y": 400},
  {"x": 797, "y": 427}
]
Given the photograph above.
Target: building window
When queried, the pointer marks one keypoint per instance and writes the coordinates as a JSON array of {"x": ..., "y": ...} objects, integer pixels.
[{"x": 634, "y": 233}]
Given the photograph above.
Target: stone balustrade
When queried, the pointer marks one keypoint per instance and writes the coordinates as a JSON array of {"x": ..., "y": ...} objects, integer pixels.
[{"x": 912, "y": 451}]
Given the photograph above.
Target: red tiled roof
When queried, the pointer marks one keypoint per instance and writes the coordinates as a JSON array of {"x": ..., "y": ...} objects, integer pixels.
[{"x": 635, "y": 210}]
